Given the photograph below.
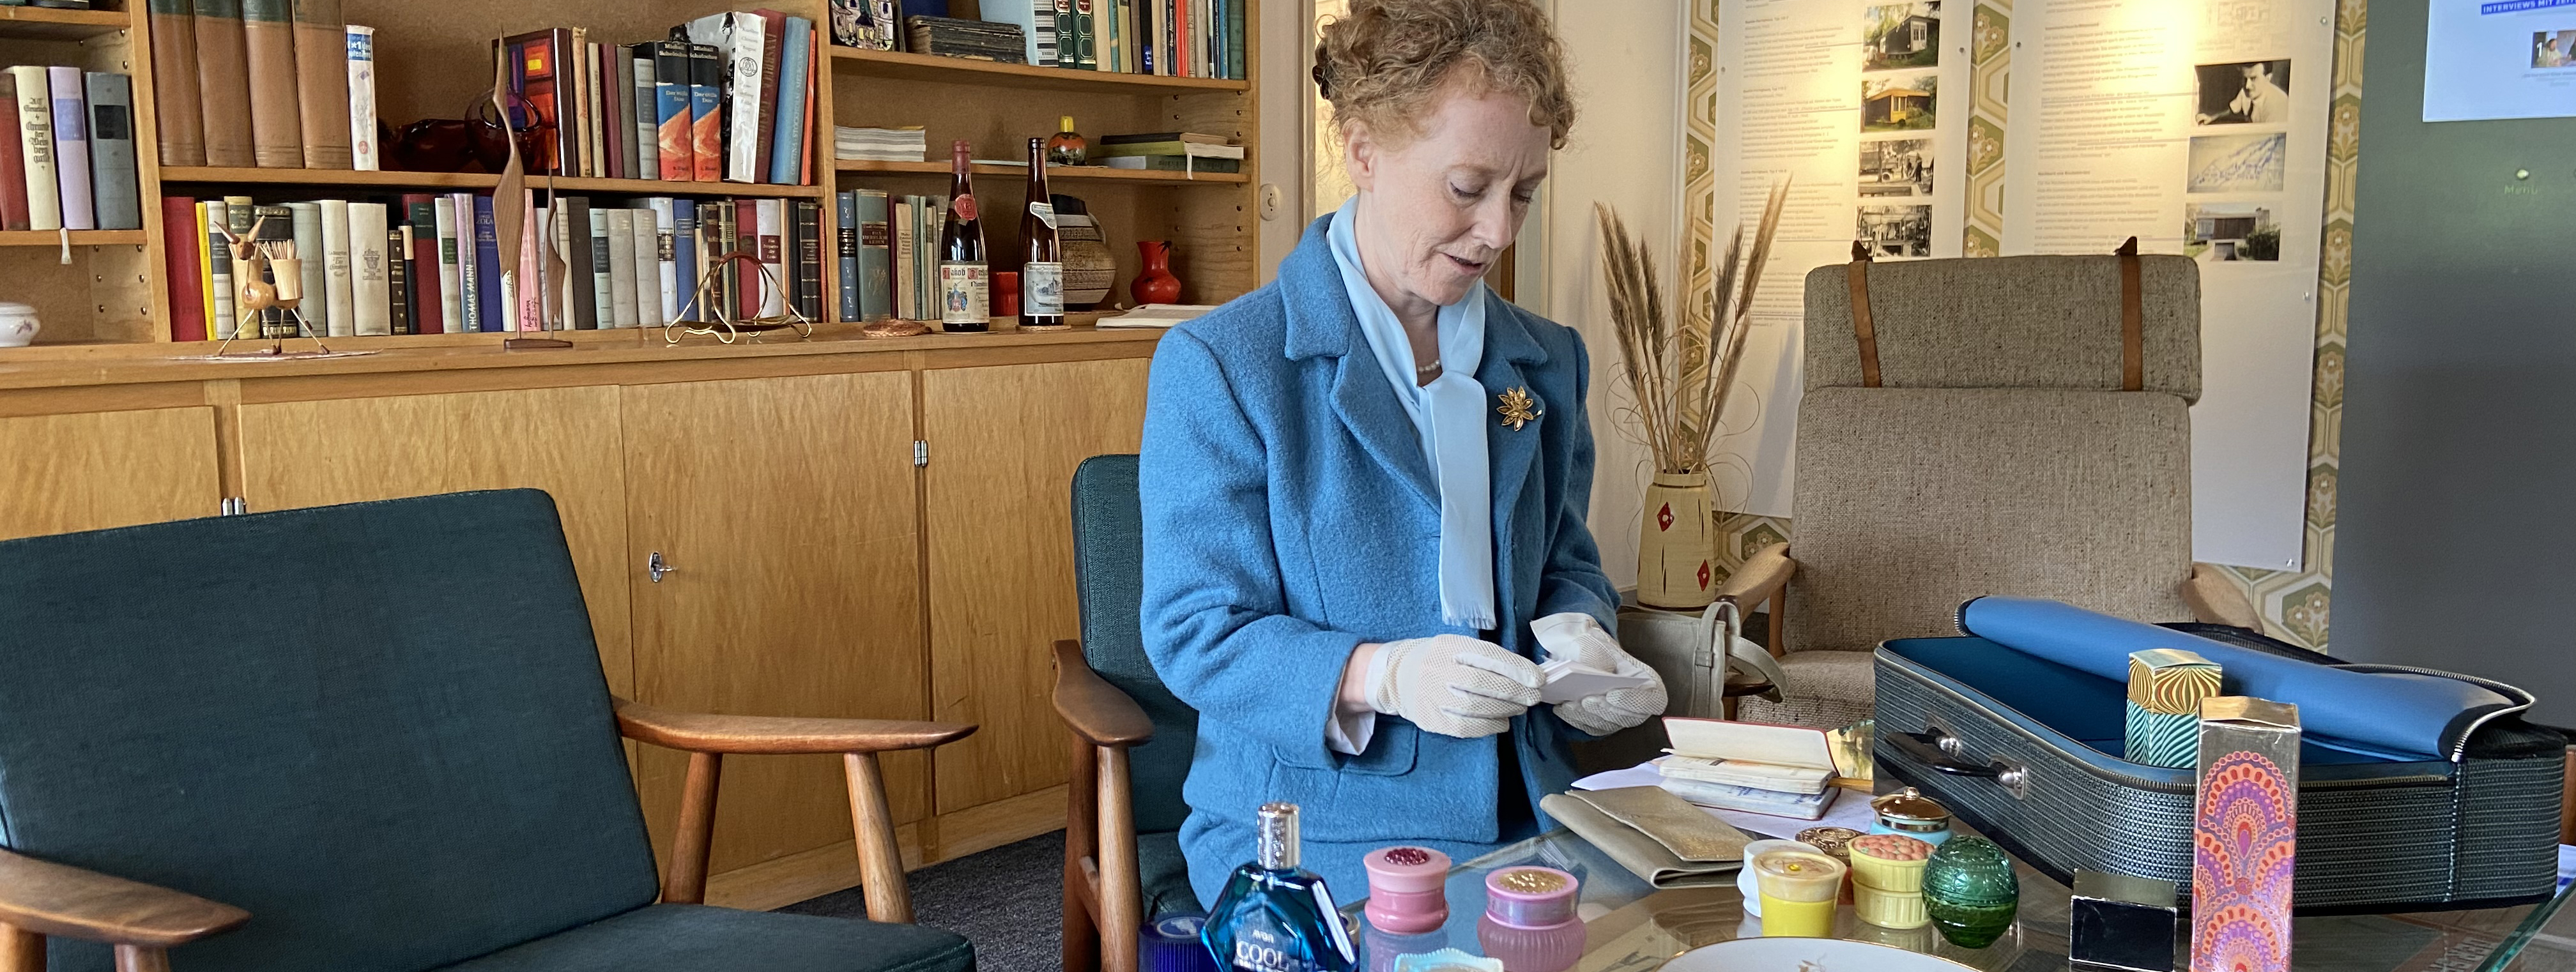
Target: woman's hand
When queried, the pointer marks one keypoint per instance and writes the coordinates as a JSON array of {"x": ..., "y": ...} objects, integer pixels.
[
  {"x": 1449, "y": 684},
  {"x": 1579, "y": 636}
]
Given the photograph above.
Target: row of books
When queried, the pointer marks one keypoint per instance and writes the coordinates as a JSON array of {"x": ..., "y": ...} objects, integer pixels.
[
  {"x": 273, "y": 83},
  {"x": 729, "y": 97},
  {"x": 1169, "y": 152},
  {"x": 428, "y": 263},
  {"x": 889, "y": 245},
  {"x": 67, "y": 150},
  {"x": 1176, "y": 38}
]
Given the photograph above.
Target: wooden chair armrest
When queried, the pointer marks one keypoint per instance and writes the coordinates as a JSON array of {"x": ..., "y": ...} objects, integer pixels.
[
  {"x": 1094, "y": 709},
  {"x": 57, "y": 899},
  {"x": 2214, "y": 600},
  {"x": 700, "y": 732},
  {"x": 1761, "y": 577}
]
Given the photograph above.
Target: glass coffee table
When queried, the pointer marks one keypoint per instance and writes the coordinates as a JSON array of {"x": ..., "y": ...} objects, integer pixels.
[{"x": 1631, "y": 926}]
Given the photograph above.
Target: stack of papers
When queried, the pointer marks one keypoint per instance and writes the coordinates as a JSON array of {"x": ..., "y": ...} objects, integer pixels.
[
  {"x": 909, "y": 144},
  {"x": 1156, "y": 315}
]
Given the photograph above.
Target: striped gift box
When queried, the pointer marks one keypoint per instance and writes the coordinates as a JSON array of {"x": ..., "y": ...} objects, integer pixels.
[{"x": 2166, "y": 686}]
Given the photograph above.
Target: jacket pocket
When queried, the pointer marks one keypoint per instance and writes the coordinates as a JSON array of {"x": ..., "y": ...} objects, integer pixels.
[{"x": 1390, "y": 752}]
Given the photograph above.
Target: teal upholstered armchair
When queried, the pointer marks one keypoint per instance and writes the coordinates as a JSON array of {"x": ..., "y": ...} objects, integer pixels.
[
  {"x": 1132, "y": 738},
  {"x": 373, "y": 737}
]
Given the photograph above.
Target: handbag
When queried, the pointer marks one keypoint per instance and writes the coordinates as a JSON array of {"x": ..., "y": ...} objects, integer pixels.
[{"x": 1695, "y": 655}]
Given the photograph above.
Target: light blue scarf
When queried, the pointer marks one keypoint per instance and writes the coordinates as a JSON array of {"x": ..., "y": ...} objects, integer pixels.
[{"x": 1449, "y": 415}]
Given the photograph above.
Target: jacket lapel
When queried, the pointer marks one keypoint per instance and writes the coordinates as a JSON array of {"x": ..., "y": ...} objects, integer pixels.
[
  {"x": 1322, "y": 325},
  {"x": 1512, "y": 453}
]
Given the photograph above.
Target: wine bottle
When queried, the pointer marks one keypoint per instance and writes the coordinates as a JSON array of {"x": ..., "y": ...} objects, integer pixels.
[
  {"x": 965, "y": 274},
  {"x": 1275, "y": 916},
  {"x": 1042, "y": 256}
]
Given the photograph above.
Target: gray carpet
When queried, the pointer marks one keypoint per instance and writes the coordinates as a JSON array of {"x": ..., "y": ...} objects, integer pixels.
[{"x": 1009, "y": 901}]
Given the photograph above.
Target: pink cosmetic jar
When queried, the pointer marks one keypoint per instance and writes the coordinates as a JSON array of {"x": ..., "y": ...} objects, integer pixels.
[{"x": 1404, "y": 889}]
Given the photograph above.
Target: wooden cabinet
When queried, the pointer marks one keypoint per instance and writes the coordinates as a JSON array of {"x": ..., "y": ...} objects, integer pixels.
[
  {"x": 94, "y": 470},
  {"x": 1004, "y": 442},
  {"x": 784, "y": 510},
  {"x": 561, "y": 440}
]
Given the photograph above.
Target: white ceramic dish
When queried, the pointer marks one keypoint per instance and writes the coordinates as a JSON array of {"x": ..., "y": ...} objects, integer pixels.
[{"x": 1805, "y": 955}]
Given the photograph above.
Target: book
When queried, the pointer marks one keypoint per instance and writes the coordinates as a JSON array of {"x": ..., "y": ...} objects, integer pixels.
[
  {"x": 786, "y": 165},
  {"x": 715, "y": 227},
  {"x": 451, "y": 286},
  {"x": 773, "y": 37},
  {"x": 738, "y": 40},
  {"x": 111, "y": 150},
  {"x": 645, "y": 111},
  {"x": 268, "y": 46},
  {"x": 706, "y": 113},
  {"x": 486, "y": 289},
  {"x": 1138, "y": 138},
  {"x": 1108, "y": 149},
  {"x": 421, "y": 212},
  {"x": 322, "y": 83},
  {"x": 772, "y": 216},
  {"x": 182, "y": 135},
  {"x": 36, "y": 146},
  {"x": 339, "y": 312},
  {"x": 71, "y": 147},
  {"x": 750, "y": 289},
  {"x": 685, "y": 250},
  {"x": 875, "y": 277},
  {"x": 618, "y": 72},
  {"x": 219, "y": 267},
  {"x": 1172, "y": 163},
  {"x": 666, "y": 267},
  {"x": 813, "y": 101},
  {"x": 907, "y": 298},
  {"x": 364, "y": 154},
  {"x": 845, "y": 250},
  {"x": 13, "y": 162},
  {"x": 805, "y": 219},
  {"x": 1234, "y": 31},
  {"x": 644, "y": 272},
  {"x": 313, "y": 275},
  {"x": 223, "y": 83},
  {"x": 182, "y": 263},
  {"x": 399, "y": 274},
  {"x": 673, "y": 146},
  {"x": 469, "y": 274},
  {"x": 604, "y": 283},
  {"x": 580, "y": 297},
  {"x": 618, "y": 231},
  {"x": 1086, "y": 35},
  {"x": 369, "y": 290},
  {"x": 1786, "y": 759},
  {"x": 583, "y": 69}
]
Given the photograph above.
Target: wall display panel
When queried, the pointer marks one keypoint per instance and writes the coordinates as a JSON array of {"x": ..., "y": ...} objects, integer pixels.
[{"x": 2492, "y": 59}]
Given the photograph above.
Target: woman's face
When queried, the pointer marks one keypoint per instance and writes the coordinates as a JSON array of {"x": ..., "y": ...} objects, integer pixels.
[{"x": 1440, "y": 208}]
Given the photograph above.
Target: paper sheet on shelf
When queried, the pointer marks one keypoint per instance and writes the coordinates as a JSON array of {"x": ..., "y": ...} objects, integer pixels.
[{"x": 1849, "y": 810}]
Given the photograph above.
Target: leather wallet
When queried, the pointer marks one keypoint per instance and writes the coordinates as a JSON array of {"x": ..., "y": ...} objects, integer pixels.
[{"x": 1648, "y": 857}]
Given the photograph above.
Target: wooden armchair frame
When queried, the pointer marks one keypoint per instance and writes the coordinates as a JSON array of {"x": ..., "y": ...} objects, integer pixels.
[
  {"x": 143, "y": 922},
  {"x": 1104, "y": 901}
]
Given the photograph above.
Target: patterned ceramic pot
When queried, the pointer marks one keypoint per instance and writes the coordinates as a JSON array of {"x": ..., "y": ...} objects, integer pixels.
[{"x": 18, "y": 324}]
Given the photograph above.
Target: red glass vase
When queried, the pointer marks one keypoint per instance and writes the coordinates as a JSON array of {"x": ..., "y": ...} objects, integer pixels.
[{"x": 1155, "y": 285}]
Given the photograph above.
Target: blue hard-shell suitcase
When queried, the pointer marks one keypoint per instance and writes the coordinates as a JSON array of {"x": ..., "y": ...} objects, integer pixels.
[{"x": 2418, "y": 790}]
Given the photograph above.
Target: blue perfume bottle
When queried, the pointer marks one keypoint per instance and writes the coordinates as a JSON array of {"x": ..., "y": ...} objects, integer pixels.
[{"x": 1275, "y": 916}]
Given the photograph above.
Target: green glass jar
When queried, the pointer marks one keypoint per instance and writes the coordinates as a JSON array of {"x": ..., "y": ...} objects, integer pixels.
[{"x": 1969, "y": 888}]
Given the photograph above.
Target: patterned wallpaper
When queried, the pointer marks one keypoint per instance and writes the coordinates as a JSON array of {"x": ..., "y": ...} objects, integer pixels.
[{"x": 2294, "y": 604}]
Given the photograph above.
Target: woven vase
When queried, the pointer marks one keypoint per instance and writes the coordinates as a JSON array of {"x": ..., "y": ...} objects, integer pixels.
[{"x": 1677, "y": 549}]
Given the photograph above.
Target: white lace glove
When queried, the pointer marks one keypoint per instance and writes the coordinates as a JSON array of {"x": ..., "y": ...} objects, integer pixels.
[
  {"x": 1578, "y": 636},
  {"x": 1453, "y": 685}
]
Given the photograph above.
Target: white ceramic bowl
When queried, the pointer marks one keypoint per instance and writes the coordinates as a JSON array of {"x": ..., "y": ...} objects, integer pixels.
[
  {"x": 18, "y": 325},
  {"x": 1805, "y": 955}
]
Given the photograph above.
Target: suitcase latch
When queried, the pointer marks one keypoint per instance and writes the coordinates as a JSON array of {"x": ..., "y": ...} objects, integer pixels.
[{"x": 1942, "y": 752}]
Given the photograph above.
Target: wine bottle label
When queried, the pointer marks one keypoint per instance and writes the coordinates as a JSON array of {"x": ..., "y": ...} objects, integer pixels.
[
  {"x": 1045, "y": 212},
  {"x": 965, "y": 294},
  {"x": 1042, "y": 289},
  {"x": 964, "y": 205}
]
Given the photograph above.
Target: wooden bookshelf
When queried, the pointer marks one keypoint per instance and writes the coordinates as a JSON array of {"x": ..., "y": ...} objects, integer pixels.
[
  {"x": 1085, "y": 173},
  {"x": 959, "y": 70},
  {"x": 77, "y": 238},
  {"x": 335, "y": 179},
  {"x": 47, "y": 23}
]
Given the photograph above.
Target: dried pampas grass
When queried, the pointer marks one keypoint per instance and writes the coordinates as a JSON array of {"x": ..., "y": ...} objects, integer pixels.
[{"x": 1679, "y": 373}]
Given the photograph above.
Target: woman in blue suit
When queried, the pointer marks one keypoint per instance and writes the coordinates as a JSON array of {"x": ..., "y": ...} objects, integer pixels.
[{"x": 1364, "y": 486}]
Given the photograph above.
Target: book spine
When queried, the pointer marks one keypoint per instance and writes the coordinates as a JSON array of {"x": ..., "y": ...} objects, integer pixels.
[
  {"x": 671, "y": 137},
  {"x": 487, "y": 267},
  {"x": 666, "y": 266},
  {"x": 685, "y": 248},
  {"x": 789, "y": 137},
  {"x": 223, "y": 83},
  {"x": 727, "y": 238},
  {"x": 322, "y": 83},
  {"x": 586, "y": 108},
  {"x": 813, "y": 103},
  {"x": 370, "y": 290},
  {"x": 618, "y": 72},
  {"x": 604, "y": 289},
  {"x": 36, "y": 141},
  {"x": 845, "y": 249},
  {"x": 748, "y": 288},
  {"x": 421, "y": 214},
  {"x": 647, "y": 120},
  {"x": 773, "y": 39},
  {"x": 71, "y": 148},
  {"x": 219, "y": 267},
  {"x": 111, "y": 150},
  {"x": 620, "y": 227},
  {"x": 742, "y": 138},
  {"x": 1042, "y": 32},
  {"x": 364, "y": 154},
  {"x": 772, "y": 220},
  {"x": 451, "y": 309},
  {"x": 182, "y": 123},
  {"x": 339, "y": 314},
  {"x": 808, "y": 216},
  {"x": 644, "y": 272},
  {"x": 268, "y": 44},
  {"x": 13, "y": 162},
  {"x": 706, "y": 113},
  {"x": 399, "y": 274},
  {"x": 876, "y": 258},
  {"x": 314, "y": 271},
  {"x": 183, "y": 265},
  {"x": 1085, "y": 12},
  {"x": 906, "y": 301}
]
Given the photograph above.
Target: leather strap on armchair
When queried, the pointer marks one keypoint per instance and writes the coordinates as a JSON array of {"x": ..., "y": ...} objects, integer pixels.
[{"x": 2133, "y": 356}]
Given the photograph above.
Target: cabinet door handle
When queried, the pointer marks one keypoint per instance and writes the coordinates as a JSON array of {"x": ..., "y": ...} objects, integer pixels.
[{"x": 657, "y": 567}]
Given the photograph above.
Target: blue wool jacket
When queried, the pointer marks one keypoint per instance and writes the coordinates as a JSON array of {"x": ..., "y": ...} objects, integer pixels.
[{"x": 1289, "y": 515}]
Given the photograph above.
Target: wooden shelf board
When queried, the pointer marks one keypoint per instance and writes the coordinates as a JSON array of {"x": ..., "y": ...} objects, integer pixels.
[
  {"x": 79, "y": 238},
  {"x": 472, "y": 180},
  {"x": 959, "y": 70},
  {"x": 1096, "y": 173},
  {"x": 48, "y": 23}
]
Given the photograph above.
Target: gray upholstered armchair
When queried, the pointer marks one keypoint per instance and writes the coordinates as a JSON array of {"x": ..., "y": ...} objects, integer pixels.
[{"x": 1983, "y": 426}]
